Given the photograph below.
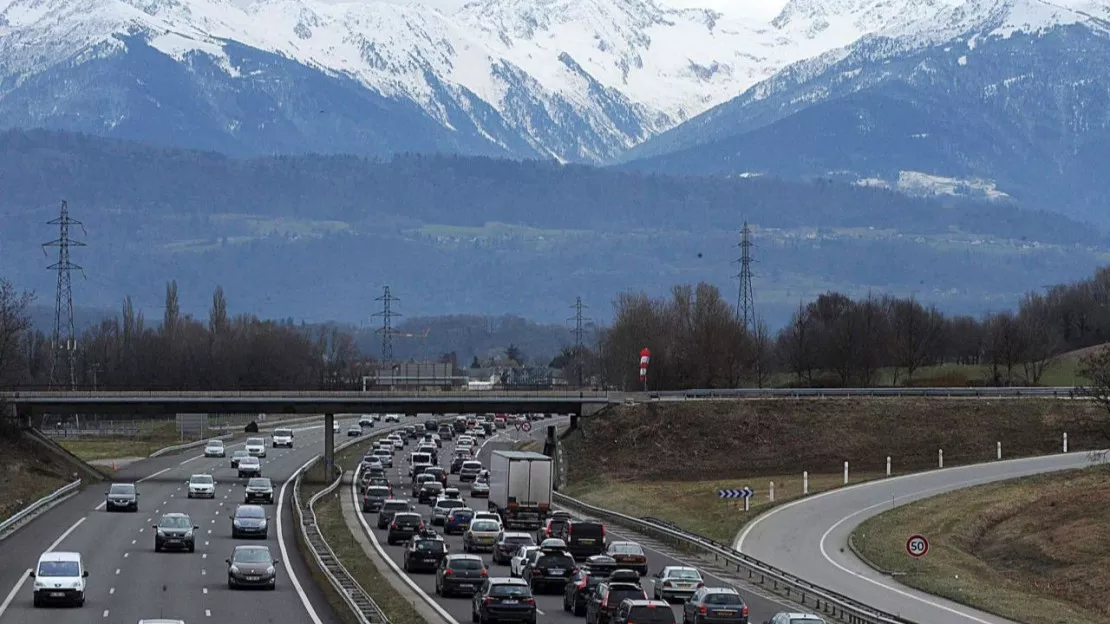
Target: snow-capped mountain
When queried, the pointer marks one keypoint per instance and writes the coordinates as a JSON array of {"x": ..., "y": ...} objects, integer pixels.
[
  {"x": 1012, "y": 94},
  {"x": 578, "y": 80}
]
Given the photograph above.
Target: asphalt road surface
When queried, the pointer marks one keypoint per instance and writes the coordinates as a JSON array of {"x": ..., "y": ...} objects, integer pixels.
[
  {"x": 128, "y": 581},
  {"x": 550, "y": 605},
  {"x": 809, "y": 537}
]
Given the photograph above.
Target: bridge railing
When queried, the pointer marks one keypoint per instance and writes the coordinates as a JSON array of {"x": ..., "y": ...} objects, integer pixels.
[{"x": 1060, "y": 392}]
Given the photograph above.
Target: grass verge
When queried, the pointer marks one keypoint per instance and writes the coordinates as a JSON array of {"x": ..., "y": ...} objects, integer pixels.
[
  {"x": 1033, "y": 550},
  {"x": 151, "y": 436},
  {"x": 694, "y": 505},
  {"x": 27, "y": 473},
  {"x": 333, "y": 597}
]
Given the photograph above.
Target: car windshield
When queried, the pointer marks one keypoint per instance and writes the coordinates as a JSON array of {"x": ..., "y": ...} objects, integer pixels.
[
  {"x": 555, "y": 561},
  {"x": 472, "y": 465},
  {"x": 250, "y": 512},
  {"x": 650, "y": 614},
  {"x": 200, "y": 480},
  {"x": 284, "y": 433},
  {"x": 259, "y": 483},
  {"x": 519, "y": 539},
  {"x": 248, "y": 461},
  {"x": 429, "y": 546},
  {"x": 466, "y": 564},
  {"x": 252, "y": 555},
  {"x": 684, "y": 573},
  {"x": 462, "y": 514},
  {"x": 485, "y": 526},
  {"x": 175, "y": 522},
  {"x": 215, "y": 443},
  {"x": 723, "y": 598},
  {"x": 254, "y": 441},
  {"x": 450, "y": 504},
  {"x": 239, "y": 454},
  {"x": 377, "y": 490},
  {"x": 122, "y": 490},
  {"x": 626, "y": 548},
  {"x": 509, "y": 590},
  {"x": 58, "y": 568}
]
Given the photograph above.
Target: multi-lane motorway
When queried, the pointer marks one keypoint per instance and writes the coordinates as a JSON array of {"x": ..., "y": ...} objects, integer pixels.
[
  {"x": 128, "y": 581},
  {"x": 809, "y": 537},
  {"x": 550, "y": 605}
]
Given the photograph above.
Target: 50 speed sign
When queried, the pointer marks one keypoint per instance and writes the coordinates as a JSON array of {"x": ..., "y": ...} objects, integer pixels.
[{"x": 917, "y": 546}]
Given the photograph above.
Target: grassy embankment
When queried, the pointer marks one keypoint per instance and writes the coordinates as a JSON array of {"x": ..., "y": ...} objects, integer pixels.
[
  {"x": 1032, "y": 550},
  {"x": 668, "y": 460},
  {"x": 27, "y": 473}
]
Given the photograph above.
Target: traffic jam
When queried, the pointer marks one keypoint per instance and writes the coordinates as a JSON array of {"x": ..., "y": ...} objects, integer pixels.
[{"x": 487, "y": 539}]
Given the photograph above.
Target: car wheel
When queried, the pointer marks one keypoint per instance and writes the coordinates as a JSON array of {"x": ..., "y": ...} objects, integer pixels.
[
  {"x": 272, "y": 587},
  {"x": 579, "y": 610},
  {"x": 474, "y": 617},
  {"x": 265, "y": 535},
  {"x": 192, "y": 547},
  {"x": 230, "y": 583},
  {"x": 157, "y": 548},
  {"x": 37, "y": 603},
  {"x": 81, "y": 601}
]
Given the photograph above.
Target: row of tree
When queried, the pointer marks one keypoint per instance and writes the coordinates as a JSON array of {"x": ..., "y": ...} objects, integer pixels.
[
  {"x": 181, "y": 353},
  {"x": 695, "y": 335}
]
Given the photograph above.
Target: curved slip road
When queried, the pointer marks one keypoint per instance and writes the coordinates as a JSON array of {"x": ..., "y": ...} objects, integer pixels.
[
  {"x": 550, "y": 606},
  {"x": 128, "y": 581},
  {"x": 809, "y": 537}
]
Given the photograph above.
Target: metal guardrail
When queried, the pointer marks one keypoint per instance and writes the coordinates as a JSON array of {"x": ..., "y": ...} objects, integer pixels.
[
  {"x": 1068, "y": 392},
  {"x": 524, "y": 393},
  {"x": 30, "y": 511},
  {"x": 188, "y": 445},
  {"x": 797, "y": 589}
]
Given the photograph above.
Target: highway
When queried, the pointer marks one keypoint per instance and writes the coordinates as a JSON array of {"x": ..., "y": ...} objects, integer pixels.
[
  {"x": 550, "y": 605},
  {"x": 128, "y": 581},
  {"x": 809, "y": 537}
]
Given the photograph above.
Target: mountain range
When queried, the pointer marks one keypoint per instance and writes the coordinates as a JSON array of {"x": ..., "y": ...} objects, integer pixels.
[{"x": 993, "y": 98}]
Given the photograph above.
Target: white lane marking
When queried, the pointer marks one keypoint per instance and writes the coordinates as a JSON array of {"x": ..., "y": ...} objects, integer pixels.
[
  {"x": 141, "y": 529},
  {"x": 66, "y": 534},
  {"x": 285, "y": 554},
  {"x": 111, "y": 591},
  {"x": 204, "y": 590},
  {"x": 125, "y": 555},
  {"x": 160, "y": 472},
  {"x": 190, "y": 459},
  {"x": 117, "y": 571},
  {"x": 105, "y": 613},
  {"x": 101, "y": 506},
  {"x": 210, "y": 533},
  {"x": 204, "y": 555},
  {"x": 207, "y": 613},
  {"x": 133, "y": 542},
  {"x": 14, "y": 591},
  {"x": 540, "y": 612},
  {"x": 206, "y": 541},
  {"x": 203, "y": 572}
]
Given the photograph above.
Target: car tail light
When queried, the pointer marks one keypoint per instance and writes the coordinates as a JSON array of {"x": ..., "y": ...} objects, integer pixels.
[
  {"x": 703, "y": 609},
  {"x": 700, "y": 584},
  {"x": 393, "y": 526},
  {"x": 529, "y": 601},
  {"x": 666, "y": 583},
  {"x": 488, "y": 600},
  {"x": 603, "y": 531},
  {"x": 547, "y": 530},
  {"x": 744, "y": 610},
  {"x": 421, "y": 528},
  {"x": 583, "y": 583},
  {"x": 485, "y": 573},
  {"x": 448, "y": 572},
  {"x": 605, "y": 601}
]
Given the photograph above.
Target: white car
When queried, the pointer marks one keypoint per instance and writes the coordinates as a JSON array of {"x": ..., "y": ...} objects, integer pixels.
[
  {"x": 354, "y": 431},
  {"x": 486, "y": 515},
  {"x": 60, "y": 578},
  {"x": 334, "y": 427},
  {"x": 215, "y": 448},
  {"x": 385, "y": 456},
  {"x": 201, "y": 486},
  {"x": 256, "y": 447},
  {"x": 398, "y": 443},
  {"x": 282, "y": 437},
  {"x": 516, "y": 564},
  {"x": 394, "y": 418}
]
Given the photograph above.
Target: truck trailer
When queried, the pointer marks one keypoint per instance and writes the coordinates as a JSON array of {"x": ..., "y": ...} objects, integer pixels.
[{"x": 520, "y": 486}]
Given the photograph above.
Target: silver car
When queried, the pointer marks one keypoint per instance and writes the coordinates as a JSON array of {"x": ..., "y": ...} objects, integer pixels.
[
  {"x": 677, "y": 582},
  {"x": 481, "y": 535},
  {"x": 250, "y": 467},
  {"x": 443, "y": 507},
  {"x": 201, "y": 486},
  {"x": 215, "y": 448}
]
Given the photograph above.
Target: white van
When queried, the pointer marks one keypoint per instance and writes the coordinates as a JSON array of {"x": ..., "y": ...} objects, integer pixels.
[
  {"x": 418, "y": 462},
  {"x": 256, "y": 447},
  {"x": 283, "y": 437},
  {"x": 60, "y": 578}
]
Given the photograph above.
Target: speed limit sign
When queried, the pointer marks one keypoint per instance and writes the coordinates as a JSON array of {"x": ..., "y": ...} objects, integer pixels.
[{"x": 917, "y": 546}]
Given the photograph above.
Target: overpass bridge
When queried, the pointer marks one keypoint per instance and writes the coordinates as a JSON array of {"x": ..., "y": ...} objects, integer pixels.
[{"x": 29, "y": 405}]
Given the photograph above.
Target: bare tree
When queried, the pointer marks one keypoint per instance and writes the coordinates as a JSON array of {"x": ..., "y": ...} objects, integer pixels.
[
  {"x": 915, "y": 336},
  {"x": 1006, "y": 346},
  {"x": 14, "y": 325},
  {"x": 797, "y": 344},
  {"x": 1095, "y": 368},
  {"x": 1041, "y": 336},
  {"x": 762, "y": 360}
]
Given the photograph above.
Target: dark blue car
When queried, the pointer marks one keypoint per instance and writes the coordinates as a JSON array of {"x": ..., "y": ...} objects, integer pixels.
[{"x": 458, "y": 521}]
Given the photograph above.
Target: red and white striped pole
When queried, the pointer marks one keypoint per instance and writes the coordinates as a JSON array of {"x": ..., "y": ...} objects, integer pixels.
[{"x": 645, "y": 358}]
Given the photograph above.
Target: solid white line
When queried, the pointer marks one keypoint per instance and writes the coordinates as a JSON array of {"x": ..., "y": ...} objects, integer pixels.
[
  {"x": 14, "y": 591},
  {"x": 285, "y": 554},
  {"x": 160, "y": 472},
  {"x": 65, "y": 535}
]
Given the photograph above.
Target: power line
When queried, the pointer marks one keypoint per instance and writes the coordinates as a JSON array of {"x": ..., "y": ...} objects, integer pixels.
[
  {"x": 579, "y": 332},
  {"x": 745, "y": 300},
  {"x": 63, "y": 300},
  {"x": 387, "y": 315}
]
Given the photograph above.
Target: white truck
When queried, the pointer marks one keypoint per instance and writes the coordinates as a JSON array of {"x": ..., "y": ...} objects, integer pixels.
[{"x": 520, "y": 486}]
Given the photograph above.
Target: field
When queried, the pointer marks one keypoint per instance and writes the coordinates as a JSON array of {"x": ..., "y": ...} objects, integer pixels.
[
  {"x": 1033, "y": 550},
  {"x": 26, "y": 474},
  {"x": 668, "y": 459}
]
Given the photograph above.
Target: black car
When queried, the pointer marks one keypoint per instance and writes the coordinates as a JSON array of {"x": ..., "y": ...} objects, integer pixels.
[
  {"x": 429, "y": 492},
  {"x": 577, "y": 591},
  {"x": 503, "y": 600},
  {"x": 405, "y": 524},
  {"x": 553, "y": 526},
  {"x": 508, "y": 543},
  {"x": 584, "y": 538},
  {"x": 651, "y": 612},
  {"x": 431, "y": 425},
  {"x": 552, "y": 569},
  {"x": 460, "y": 574},
  {"x": 252, "y": 566},
  {"x": 374, "y": 497},
  {"x": 423, "y": 553},
  {"x": 249, "y": 521},
  {"x": 259, "y": 489},
  {"x": 121, "y": 496},
  {"x": 175, "y": 531},
  {"x": 608, "y": 596},
  {"x": 389, "y": 508}
]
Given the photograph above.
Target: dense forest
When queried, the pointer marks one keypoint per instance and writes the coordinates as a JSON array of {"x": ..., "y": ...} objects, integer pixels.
[{"x": 695, "y": 337}]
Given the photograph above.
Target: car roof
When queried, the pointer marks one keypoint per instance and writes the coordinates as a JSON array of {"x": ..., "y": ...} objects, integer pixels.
[
  {"x": 640, "y": 602},
  {"x": 175, "y": 514},
  {"x": 243, "y": 507},
  {"x": 253, "y": 547},
  {"x": 60, "y": 556},
  {"x": 505, "y": 580},
  {"x": 200, "y": 474}
]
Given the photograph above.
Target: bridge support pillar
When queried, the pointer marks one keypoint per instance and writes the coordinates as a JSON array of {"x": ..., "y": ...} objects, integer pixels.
[
  {"x": 329, "y": 447},
  {"x": 23, "y": 415}
]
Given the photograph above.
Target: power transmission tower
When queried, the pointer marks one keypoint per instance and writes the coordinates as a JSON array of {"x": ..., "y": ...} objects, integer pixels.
[
  {"x": 63, "y": 302},
  {"x": 579, "y": 332},
  {"x": 387, "y": 315},
  {"x": 745, "y": 300}
]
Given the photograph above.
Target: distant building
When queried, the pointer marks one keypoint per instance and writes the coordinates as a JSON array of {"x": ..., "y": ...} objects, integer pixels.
[{"x": 414, "y": 376}]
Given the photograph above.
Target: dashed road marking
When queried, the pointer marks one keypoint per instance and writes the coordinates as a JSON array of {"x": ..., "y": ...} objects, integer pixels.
[
  {"x": 207, "y": 613},
  {"x": 105, "y": 613},
  {"x": 111, "y": 591},
  {"x": 117, "y": 571}
]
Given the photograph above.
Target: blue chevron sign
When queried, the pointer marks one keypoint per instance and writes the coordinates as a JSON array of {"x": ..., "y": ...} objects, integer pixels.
[{"x": 741, "y": 493}]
